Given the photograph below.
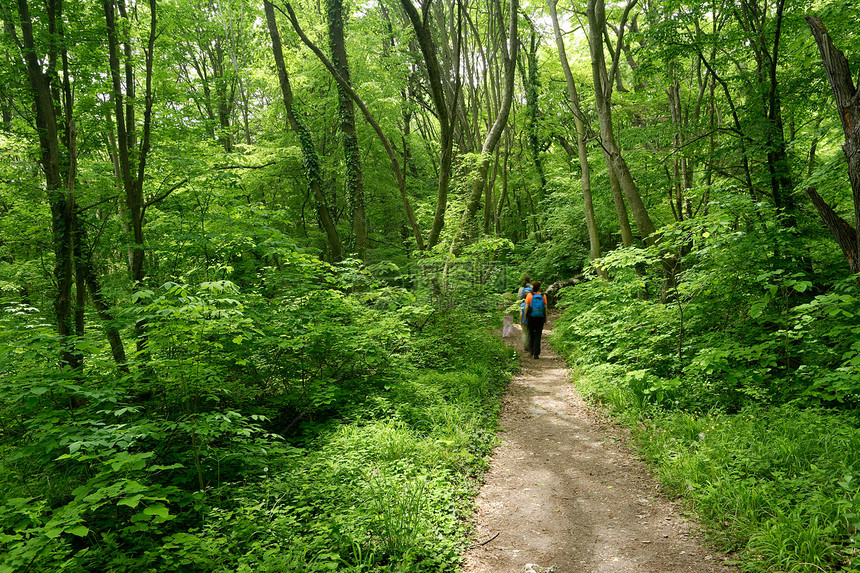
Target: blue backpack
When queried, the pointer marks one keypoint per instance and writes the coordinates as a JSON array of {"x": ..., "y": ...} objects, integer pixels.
[
  {"x": 538, "y": 306},
  {"x": 523, "y": 295}
]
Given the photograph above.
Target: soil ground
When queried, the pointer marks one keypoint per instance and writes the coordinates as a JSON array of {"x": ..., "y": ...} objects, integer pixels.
[{"x": 565, "y": 492}]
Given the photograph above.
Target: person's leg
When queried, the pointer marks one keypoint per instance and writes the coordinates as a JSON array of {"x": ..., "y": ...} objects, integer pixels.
[
  {"x": 536, "y": 332},
  {"x": 532, "y": 324}
]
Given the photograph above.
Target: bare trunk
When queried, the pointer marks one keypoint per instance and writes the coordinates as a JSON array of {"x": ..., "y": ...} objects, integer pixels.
[
  {"x": 844, "y": 234},
  {"x": 582, "y": 151},
  {"x": 602, "y": 91},
  {"x": 847, "y": 96},
  {"x": 441, "y": 103},
  {"x": 55, "y": 164},
  {"x": 386, "y": 143},
  {"x": 479, "y": 180}
]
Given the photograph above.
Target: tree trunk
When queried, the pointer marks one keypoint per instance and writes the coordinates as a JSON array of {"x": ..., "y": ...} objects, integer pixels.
[
  {"x": 386, "y": 143},
  {"x": 602, "y": 94},
  {"x": 132, "y": 161},
  {"x": 847, "y": 97},
  {"x": 531, "y": 84},
  {"x": 309, "y": 153},
  {"x": 582, "y": 151},
  {"x": 55, "y": 163},
  {"x": 445, "y": 116},
  {"x": 842, "y": 231},
  {"x": 88, "y": 280},
  {"x": 346, "y": 113},
  {"x": 497, "y": 217},
  {"x": 618, "y": 201},
  {"x": 479, "y": 179}
]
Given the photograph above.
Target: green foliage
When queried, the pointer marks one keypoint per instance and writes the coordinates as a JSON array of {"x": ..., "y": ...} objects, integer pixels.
[
  {"x": 388, "y": 405},
  {"x": 779, "y": 484},
  {"x": 739, "y": 381}
]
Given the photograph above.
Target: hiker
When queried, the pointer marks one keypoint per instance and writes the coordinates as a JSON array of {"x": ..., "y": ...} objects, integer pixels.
[
  {"x": 536, "y": 316},
  {"x": 525, "y": 289}
]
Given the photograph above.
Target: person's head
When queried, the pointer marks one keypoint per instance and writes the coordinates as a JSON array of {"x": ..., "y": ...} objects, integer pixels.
[
  {"x": 536, "y": 286},
  {"x": 526, "y": 280}
]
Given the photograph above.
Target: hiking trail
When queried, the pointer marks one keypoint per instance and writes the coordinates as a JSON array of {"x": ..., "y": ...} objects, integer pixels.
[{"x": 565, "y": 494}]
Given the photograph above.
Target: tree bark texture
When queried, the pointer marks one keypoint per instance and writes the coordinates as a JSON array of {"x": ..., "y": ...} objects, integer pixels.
[
  {"x": 602, "y": 94},
  {"x": 444, "y": 115},
  {"x": 494, "y": 133},
  {"x": 531, "y": 84},
  {"x": 842, "y": 231},
  {"x": 847, "y": 96},
  {"x": 386, "y": 143},
  {"x": 54, "y": 146},
  {"x": 132, "y": 158}
]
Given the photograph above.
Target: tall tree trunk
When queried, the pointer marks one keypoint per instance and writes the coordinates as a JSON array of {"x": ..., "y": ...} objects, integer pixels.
[
  {"x": 311, "y": 160},
  {"x": 504, "y": 196},
  {"x": 441, "y": 104},
  {"x": 386, "y": 143},
  {"x": 354, "y": 174},
  {"x": 602, "y": 94},
  {"x": 132, "y": 159},
  {"x": 55, "y": 165},
  {"x": 618, "y": 201},
  {"x": 531, "y": 84},
  {"x": 779, "y": 165},
  {"x": 479, "y": 179},
  {"x": 582, "y": 151}
]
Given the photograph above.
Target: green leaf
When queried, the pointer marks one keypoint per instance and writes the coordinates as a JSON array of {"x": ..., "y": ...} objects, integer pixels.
[
  {"x": 79, "y": 530},
  {"x": 157, "y": 510},
  {"x": 131, "y": 501}
]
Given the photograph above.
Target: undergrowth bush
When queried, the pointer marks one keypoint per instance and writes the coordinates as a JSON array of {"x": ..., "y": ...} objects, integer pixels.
[
  {"x": 323, "y": 421},
  {"x": 741, "y": 382}
]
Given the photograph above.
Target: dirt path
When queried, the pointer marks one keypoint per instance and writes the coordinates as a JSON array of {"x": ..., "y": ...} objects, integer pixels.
[{"x": 564, "y": 492}]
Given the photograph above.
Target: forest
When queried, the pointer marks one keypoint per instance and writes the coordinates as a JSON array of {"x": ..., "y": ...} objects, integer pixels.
[{"x": 254, "y": 258}]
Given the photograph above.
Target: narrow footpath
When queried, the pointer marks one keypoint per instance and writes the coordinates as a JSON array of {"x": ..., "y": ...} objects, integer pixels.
[{"x": 564, "y": 494}]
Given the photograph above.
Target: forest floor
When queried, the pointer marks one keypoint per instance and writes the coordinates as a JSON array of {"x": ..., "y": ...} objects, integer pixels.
[{"x": 565, "y": 491}]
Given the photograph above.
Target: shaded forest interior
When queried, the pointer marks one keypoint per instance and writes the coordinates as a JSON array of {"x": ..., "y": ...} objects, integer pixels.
[{"x": 251, "y": 257}]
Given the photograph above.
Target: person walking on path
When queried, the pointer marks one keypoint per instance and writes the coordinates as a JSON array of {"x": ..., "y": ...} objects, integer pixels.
[
  {"x": 525, "y": 289},
  {"x": 535, "y": 310}
]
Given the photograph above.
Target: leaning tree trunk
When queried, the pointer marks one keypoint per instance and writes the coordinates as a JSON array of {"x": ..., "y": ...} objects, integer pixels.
[
  {"x": 596, "y": 24},
  {"x": 386, "y": 143},
  {"x": 842, "y": 231},
  {"x": 479, "y": 180},
  {"x": 309, "y": 153},
  {"x": 847, "y": 97},
  {"x": 446, "y": 117},
  {"x": 581, "y": 135},
  {"x": 55, "y": 163}
]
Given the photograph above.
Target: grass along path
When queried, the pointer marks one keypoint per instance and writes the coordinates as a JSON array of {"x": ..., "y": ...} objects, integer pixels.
[{"x": 563, "y": 491}]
